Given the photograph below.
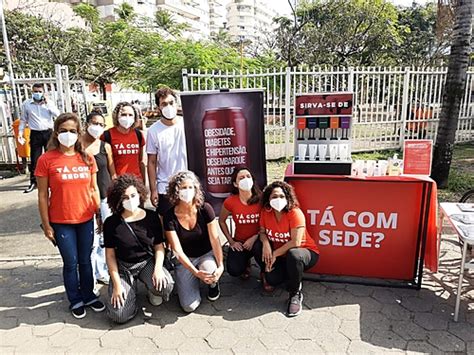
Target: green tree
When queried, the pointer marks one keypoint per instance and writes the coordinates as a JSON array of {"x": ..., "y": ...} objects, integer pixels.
[
  {"x": 339, "y": 32},
  {"x": 115, "y": 47},
  {"x": 165, "y": 23},
  {"x": 37, "y": 44},
  {"x": 420, "y": 45}
]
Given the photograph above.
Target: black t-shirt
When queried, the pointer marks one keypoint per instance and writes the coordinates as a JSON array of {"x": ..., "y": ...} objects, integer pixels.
[
  {"x": 195, "y": 242},
  {"x": 117, "y": 235}
]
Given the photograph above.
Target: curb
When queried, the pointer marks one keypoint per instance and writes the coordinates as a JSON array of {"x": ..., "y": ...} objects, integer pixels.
[{"x": 29, "y": 258}]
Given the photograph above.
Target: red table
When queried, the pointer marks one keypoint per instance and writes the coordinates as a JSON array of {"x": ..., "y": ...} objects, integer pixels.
[{"x": 378, "y": 227}]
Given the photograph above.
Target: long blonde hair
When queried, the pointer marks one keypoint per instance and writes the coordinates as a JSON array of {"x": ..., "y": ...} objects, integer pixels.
[{"x": 54, "y": 142}]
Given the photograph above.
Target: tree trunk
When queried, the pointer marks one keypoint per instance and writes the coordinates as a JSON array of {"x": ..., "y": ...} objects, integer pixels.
[
  {"x": 453, "y": 92},
  {"x": 103, "y": 90}
]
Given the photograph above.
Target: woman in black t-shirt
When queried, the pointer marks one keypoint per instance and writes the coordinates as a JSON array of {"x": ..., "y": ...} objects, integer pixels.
[
  {"x": 133, "y": 239},
  {"x": 191, "y": 231}
]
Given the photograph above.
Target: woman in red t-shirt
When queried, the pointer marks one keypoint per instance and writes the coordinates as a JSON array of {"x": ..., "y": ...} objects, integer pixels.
[
  {"x": 127, "y": 141},
  {"x": 244, "y": 206},
  {"x": 68, "y": 199},
  {"x": 288, "y": 249}
]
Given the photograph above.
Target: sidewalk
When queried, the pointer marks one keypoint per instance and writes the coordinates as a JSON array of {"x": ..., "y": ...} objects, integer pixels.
[{"x": 338, "y": 318}]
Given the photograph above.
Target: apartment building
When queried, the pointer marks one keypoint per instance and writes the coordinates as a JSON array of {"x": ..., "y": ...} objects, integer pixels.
[
  {"x": 248, "y": 20},
  {"x": 217, "y": 15},
  {"x": 193, "y": 12},
  {"x": 196, "y": 13}
]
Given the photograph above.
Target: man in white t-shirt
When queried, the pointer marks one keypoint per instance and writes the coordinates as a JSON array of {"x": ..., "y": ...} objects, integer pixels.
[{"x": 166, "y": 149}]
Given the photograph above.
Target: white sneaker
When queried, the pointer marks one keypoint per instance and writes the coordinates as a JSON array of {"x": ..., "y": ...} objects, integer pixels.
[{"x": 154, "y": 300}]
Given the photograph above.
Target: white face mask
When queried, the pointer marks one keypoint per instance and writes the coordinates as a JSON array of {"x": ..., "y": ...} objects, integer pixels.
[
  {"x": 246, "y": 184},
  {"x": 67, "y": 139},
  {"x": 278, "y": 203},
  {"x": 131, "y": 204},
  {"x": 126, "y": 121},
  {"x": 169, "y": 112},
  {"x": 95, "y": 130},
  {"x": 186, "y": 195}
]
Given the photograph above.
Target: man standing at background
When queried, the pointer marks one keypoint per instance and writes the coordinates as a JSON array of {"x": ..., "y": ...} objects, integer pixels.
[
  {"x": 166, "y": 148},
  {"x": 38, "y": 114}
]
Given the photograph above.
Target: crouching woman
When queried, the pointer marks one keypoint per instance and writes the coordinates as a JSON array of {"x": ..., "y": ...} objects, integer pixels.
[
  {"x": 134, "y": 243},
  {"x": 288, "y": 249}
]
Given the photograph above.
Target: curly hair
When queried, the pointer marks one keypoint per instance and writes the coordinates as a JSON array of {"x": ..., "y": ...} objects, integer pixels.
[
  {"x": 175, "y": 182},
  {"x": 118, "y": 109},
  {"x": 163, "y": 93},
  {"x": 287, "y": 190},
  {"x": 53, "y": 142},
  {"x": 117, "y": 189},
  {"x": 256, "y": 192}
]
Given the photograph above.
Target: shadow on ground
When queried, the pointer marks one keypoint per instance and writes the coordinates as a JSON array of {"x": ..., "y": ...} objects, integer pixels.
[{"x": 337, "y": 317}]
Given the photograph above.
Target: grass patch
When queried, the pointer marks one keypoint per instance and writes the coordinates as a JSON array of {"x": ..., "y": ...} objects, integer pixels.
[
  {"x": 377, "y": 155},
  {"x": 276, "y": 169}
]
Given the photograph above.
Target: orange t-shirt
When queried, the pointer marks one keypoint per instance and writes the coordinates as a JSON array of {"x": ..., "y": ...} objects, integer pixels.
[
  {"x": 69, "y": 182},
  {"x": 246, "y": 217},
  {"x": 279, "y": 232},
  {"x": 126, "y": 150}
]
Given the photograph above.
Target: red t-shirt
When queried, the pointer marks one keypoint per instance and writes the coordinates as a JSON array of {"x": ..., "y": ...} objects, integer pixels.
[
  {"x": 279, "y": 232},
  {"x": 69, "y": 182},
  {"x": 246, "y": 217},
  {"x": 126, "y": 150}
]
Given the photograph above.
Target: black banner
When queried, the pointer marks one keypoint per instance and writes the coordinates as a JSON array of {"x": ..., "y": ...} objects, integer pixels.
[{"x": 224, "y": 130}]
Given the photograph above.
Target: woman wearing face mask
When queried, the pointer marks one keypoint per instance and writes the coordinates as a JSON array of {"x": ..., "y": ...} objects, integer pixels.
[
  {"x": 288, "y": 249},
  {"x": 134, "y": 250},
  {"x": 68, "y": 198},
  {"x": 127, "y": 142},
  {"x": 191, "y": 231},
  {"x": 244, "y": 206},
  {"x": 102, "y": 153}
]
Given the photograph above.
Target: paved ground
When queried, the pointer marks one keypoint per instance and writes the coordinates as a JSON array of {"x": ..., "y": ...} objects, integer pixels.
[{"x": 338, "y": 318}]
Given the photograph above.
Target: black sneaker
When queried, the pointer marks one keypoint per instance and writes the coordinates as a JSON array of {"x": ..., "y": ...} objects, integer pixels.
[
  {"x": 30, "y": 188},
  {"x": 295, "y": 304},
  {"x": 97, "y": 306},
  {"x": 79, "y": 312},
  {"x": 214, "y": 292}
]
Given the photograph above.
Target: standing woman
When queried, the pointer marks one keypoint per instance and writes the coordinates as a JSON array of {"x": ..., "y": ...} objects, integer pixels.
[
  {"x": 244, "y": 206},
  {"x": 127, "y": 141},
  {"x": 102, "y": 153},
  {"x": 135, "y": 250},
  {"x": 68, "y": 198},
  {"x": 191, "y": 231},
  {"x": 288, "y": 249}
]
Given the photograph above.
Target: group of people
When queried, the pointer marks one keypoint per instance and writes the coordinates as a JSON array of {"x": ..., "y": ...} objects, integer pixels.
[{"x": 92, "y": 183}]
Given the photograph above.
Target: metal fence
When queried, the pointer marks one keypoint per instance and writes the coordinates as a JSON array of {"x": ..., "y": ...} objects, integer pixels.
[
  {"x": 69, "y": 95},
  {"x": 390, "y": 104}
]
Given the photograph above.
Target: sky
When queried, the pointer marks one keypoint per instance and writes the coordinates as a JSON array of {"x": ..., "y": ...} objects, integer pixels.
[{"x": 282, "y": 7}]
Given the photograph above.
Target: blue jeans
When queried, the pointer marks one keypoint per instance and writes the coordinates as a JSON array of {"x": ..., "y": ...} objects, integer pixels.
[
  {"x": 75, "y": 245},
  {"x": 99, "y": 266}
]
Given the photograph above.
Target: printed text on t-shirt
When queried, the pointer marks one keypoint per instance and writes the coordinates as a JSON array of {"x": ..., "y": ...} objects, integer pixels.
[
  {"x": 74, "y": 173},
  {"x": 125, "y": 149}
]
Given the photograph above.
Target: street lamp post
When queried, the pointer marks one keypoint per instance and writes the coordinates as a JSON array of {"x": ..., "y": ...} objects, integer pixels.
[
  {"x": 241, "y": 39},
  {"x": 9, "y": 60}
]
